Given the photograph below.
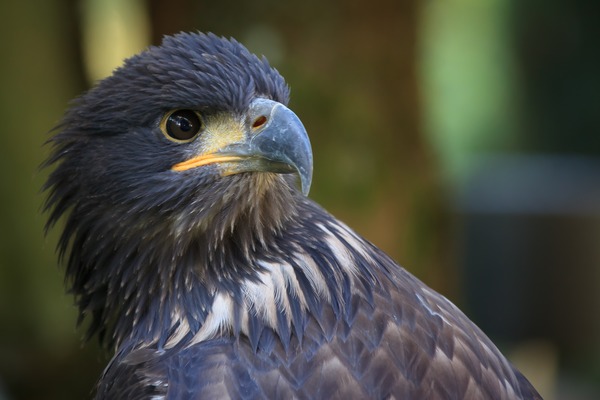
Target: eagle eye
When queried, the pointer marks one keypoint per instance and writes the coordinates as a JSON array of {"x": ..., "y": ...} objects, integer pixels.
[{"x": 182, "y": 125}]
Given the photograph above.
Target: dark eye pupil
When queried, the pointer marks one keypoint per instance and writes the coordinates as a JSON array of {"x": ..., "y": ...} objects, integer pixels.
[{"x": 183, "y": 124}]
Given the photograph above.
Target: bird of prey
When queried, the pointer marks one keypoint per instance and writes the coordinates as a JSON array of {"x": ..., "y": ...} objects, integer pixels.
[{"x": 193, "y": 252}]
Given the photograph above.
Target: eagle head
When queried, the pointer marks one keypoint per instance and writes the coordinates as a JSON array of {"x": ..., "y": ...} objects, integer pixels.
[{"x": 171, "y": 173}]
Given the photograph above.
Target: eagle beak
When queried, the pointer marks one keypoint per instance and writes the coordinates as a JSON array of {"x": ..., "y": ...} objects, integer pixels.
[
  {"x": 275, "y": 141},
  {"x": 281, "y": 141}
]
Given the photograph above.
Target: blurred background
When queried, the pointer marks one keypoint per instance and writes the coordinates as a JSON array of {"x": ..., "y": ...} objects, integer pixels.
[{"x": 460, "y": 136}]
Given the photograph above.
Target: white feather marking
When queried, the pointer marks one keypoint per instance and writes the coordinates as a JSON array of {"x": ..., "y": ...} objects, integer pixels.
[
  {"x": 278, "y": 283},
  {"x": 292, "y": 283},
  {"x": 354, "y": 241},
  {"x": 338, "y": 248},
  {"x": 313, "y": 274},
  {"x": 180, "y": 332},
  {"x": 260, "y": 297},
  {"x": 218, "y": 320},
  {"x": 272, "y": 290}
]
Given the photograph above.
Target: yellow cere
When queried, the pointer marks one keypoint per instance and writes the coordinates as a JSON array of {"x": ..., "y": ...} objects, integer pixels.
[{"x": 220, "y": 131}]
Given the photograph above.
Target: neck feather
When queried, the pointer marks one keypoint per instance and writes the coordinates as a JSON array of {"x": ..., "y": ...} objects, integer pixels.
[{"x": 267, "y": 260}]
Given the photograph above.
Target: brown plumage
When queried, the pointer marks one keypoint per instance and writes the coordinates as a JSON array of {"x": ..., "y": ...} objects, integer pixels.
[{"x": 211, "y": 274}]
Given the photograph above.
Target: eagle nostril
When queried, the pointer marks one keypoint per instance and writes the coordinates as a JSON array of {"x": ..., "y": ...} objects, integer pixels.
[{"x": 259, "y": 122}]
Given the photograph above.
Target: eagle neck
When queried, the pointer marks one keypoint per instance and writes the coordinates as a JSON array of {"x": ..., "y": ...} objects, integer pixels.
[{"x": 309, "y": 266}]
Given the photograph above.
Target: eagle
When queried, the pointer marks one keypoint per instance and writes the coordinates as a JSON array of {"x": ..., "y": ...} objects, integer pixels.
[{"x": 195, "y": 256}]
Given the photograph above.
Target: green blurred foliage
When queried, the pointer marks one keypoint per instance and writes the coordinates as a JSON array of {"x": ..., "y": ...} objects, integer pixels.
[{"x": 470, "y": 82}]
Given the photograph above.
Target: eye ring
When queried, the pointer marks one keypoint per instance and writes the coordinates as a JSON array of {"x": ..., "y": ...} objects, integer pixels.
[{"x": 182, "y": 125}]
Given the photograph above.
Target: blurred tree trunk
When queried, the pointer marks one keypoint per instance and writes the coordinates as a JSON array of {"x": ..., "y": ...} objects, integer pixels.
[{"x": 170, "y": 17}]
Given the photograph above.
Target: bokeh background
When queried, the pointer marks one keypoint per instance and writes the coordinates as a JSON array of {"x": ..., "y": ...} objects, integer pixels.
[{"x": 461, "y": 136}]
